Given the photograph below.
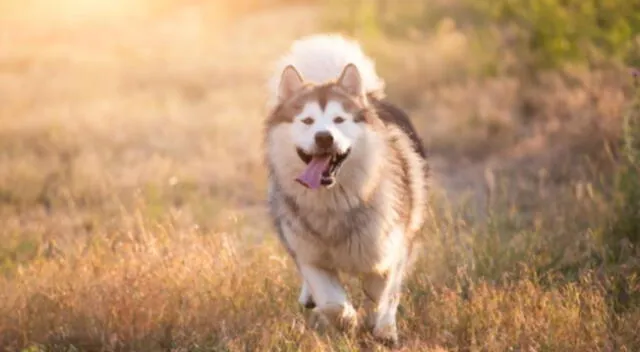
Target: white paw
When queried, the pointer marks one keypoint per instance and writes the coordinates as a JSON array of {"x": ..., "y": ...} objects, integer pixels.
[
  {"x": 388, "y": 334},
  {"x": 343, "y": 317}
]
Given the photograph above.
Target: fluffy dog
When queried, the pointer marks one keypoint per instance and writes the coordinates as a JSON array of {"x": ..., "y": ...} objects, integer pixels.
[{"x": 347, "y": 180}]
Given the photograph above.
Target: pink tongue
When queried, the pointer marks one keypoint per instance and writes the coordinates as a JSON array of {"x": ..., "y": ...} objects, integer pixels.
[{"x": 312, "y": 175}]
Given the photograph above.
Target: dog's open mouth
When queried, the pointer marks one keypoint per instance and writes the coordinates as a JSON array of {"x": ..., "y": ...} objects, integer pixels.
[{"x": 321, "y": 169}]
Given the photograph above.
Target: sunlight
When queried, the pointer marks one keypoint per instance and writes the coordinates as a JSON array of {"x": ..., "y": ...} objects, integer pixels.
[{"x": 77, "y": 11}]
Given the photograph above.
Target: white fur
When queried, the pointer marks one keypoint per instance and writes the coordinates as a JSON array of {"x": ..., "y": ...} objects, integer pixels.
[
  {"x": 305, "y": 294},
  {"x": 322, "y": 57},
  {"x": 344, "y": 133},
  {"x": 359, "y": 174},
  {"x": 379, "y": 248},
  {"x": 330, "y": 297}
]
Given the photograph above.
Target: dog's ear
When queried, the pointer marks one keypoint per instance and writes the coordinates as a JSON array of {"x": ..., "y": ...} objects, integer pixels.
[
  {"x": 350, "y": 80},
  {"x": 290, "y": 82}
]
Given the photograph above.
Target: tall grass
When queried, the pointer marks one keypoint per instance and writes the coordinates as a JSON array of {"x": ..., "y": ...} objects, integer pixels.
[
  {"x": 132, "y": 189},
  {"x": 625, "y": 230}
]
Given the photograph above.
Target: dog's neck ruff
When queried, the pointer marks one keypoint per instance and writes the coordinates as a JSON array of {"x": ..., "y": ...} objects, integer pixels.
[{"x": 351, "y": 215}]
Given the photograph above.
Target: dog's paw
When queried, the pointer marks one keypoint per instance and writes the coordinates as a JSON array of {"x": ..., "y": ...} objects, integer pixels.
[
  {"x": 344, "y": 318},
  {"x": 387, "y": 335}
]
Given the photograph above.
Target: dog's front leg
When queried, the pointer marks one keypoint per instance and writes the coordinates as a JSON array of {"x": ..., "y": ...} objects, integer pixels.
[
  {"x": 305, "y": 297},
  {"x": 330, "y": 298},
  {"x": 382, "y": 291}
]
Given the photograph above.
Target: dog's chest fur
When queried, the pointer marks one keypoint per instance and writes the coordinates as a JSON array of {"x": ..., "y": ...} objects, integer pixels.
[
  {"x": 348, "y": 239},
  {"x": 340, "y": 229}
]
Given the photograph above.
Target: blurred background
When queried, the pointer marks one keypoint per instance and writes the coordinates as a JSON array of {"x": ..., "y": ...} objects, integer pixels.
[{"x": 132, "y": 189}]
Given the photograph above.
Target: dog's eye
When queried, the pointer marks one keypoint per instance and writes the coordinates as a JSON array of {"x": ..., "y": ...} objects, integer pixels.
[
  {"x": 338, "y": 119},
  {"x": 307, "y": 121}
]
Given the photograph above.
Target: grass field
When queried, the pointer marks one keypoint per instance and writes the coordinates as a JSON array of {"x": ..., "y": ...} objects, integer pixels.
[{"x": 132, "y": 191}]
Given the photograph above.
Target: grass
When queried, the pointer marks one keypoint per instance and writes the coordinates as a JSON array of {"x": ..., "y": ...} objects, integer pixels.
[{"x": 132, "y": 192}]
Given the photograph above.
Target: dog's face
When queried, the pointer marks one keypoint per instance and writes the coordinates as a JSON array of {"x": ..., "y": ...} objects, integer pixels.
[
  {"x": 327, "y": 129},
  {"x": 324, "y": 123}
]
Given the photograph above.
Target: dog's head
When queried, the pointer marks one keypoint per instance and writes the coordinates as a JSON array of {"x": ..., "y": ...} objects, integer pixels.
[{"x": 324, "y": 124}]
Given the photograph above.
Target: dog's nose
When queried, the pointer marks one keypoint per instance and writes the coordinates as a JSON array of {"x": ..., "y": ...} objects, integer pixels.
[{"x": 324, "y": 140}]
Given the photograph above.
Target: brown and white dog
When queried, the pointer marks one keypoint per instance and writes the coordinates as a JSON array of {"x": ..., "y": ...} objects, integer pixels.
[{"x": 347, "y": 180}]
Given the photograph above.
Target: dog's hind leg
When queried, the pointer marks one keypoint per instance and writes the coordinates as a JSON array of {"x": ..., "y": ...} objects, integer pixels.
[{"x": 330, "y": 298}]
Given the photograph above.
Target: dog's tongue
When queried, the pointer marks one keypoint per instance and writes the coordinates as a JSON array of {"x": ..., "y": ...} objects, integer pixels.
[{"x": 311, "y": 177}]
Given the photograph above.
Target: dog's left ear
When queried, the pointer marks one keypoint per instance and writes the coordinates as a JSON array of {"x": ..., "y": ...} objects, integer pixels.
[{"x": 351, "y": 81}]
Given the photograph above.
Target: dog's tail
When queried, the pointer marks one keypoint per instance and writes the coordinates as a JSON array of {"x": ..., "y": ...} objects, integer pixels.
[{"x": 322, "y": 57}]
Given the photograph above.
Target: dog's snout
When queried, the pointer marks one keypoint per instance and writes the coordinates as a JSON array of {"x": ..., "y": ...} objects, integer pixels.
[{"x": 324, "y": 140}]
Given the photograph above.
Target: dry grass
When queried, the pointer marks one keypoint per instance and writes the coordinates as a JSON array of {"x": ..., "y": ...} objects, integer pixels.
[{"x": 132, "y": 194}]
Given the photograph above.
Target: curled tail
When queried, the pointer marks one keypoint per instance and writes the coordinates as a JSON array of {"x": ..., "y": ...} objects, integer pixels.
[{"x": 322, "y": 57}]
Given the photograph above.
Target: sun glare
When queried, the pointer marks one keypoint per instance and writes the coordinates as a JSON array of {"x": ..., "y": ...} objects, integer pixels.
[{"x": 74, "y": 11}]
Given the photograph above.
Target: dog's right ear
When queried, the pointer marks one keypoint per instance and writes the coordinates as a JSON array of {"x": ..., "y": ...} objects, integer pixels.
[
  {"x": 351, "y": 80},
  {"x": 290, "y": 82}
]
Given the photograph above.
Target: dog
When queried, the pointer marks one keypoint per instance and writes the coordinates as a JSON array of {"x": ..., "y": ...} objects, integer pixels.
[{"x": 347, "y": 180}]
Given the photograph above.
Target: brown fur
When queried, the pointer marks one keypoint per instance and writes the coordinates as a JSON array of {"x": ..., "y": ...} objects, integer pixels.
[
  {"x": 358, "y": 106},
  {"x": 366, "y": 221},
  {"x": 380, "y": 115}
]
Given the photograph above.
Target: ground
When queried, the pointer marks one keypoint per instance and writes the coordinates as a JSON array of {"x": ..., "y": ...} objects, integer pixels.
[{"x": 132, "y": 198}]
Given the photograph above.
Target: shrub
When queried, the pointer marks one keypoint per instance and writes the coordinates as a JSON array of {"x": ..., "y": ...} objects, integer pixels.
[
  {"x": 557, "y": 31},
  {"x": 543, "y": 33},
  {"x": 625, "y": 231}
]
